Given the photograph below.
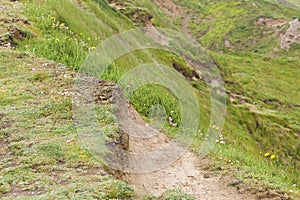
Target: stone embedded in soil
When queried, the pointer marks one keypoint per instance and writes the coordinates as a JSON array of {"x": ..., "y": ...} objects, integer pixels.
[{"x": 206, "y": 176}]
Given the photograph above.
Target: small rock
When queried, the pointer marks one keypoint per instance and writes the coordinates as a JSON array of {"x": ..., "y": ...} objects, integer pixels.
[
  {"x": 242, "y": 190},
  {"x": 70, "y": 141},
  {"x": 206, "y": 176}
]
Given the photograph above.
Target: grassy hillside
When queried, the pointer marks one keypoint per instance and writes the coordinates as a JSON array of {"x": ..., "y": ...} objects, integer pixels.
[
  {"x": 214, "y": 22},
  {"x": 261, "y": 83},
  {"x": 261, "y": 80},
  {"x": 41, "y": 156},
  {"x": 40, "y": 152},
  {"x": 263, "y": 97}
]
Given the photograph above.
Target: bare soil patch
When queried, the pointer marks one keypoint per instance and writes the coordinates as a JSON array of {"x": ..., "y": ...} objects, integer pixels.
[
  {"x": 12, "y": 24},
  {"x": 187, "y": 172},
  {"x": 287, "y": 31},
  {"x": 292, "y": 35},
  {"x": 174, "y": 10},
  {"x": 169, "y": 8},
  {"x": 138, "y": 16}
]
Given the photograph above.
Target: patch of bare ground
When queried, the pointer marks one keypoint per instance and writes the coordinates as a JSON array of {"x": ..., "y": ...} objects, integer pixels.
[
  {"x": 169, "y": 8},
  {"x": 291, "y": 36},
  {"x": 228, "y": 44},
  {"x": 138, "y": 16},
  {"x": 16, "y": 192},
  {"x": 287, "y": 31},
  {"x": 6, "y": 124},
  {"x": 188, "y": 173},
  {"x": 13, "y": 26},
  {"x": 116, "y": 4},
  {"x": 278, "y": 25},
  {"x": 174, "y": 10}
]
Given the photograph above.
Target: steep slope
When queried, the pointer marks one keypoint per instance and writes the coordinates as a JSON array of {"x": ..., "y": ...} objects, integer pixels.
[
  {"x": 234, "y": 23},
  {"x": 41, "y": 156},
  {"x": 40, "y": 145},
  {"x": 263, "y": 110},
  {"x": 247, "y": 40}
]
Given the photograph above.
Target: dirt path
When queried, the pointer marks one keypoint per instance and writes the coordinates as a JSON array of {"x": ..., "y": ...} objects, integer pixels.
[
  {"x": 292, "y": 35},
  {"x": 186, "y": 173},
  {"x": 288, "y": 37},
  {"x": 287, "y": 3}
]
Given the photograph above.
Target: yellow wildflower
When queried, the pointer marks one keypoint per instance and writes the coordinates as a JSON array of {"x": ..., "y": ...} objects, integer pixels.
[
  {"x": 88, "y": 39},
  {"x": 62, "y": 25},
  {"x": 266, "y": 154},
  {"x": 273, "y": 156}
]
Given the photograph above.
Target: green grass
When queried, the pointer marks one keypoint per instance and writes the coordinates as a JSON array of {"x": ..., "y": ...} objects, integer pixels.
[
  {"x": 36, "y": 162},
  {"x": 144, "y": 8},
  {"x": 176, "y": 194},
  {"x": 263, "y": 126},
  {"x": 265, "y": 113},
  {"x": 69, "y": 31},
  {"x": 215, "y": 21}
]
